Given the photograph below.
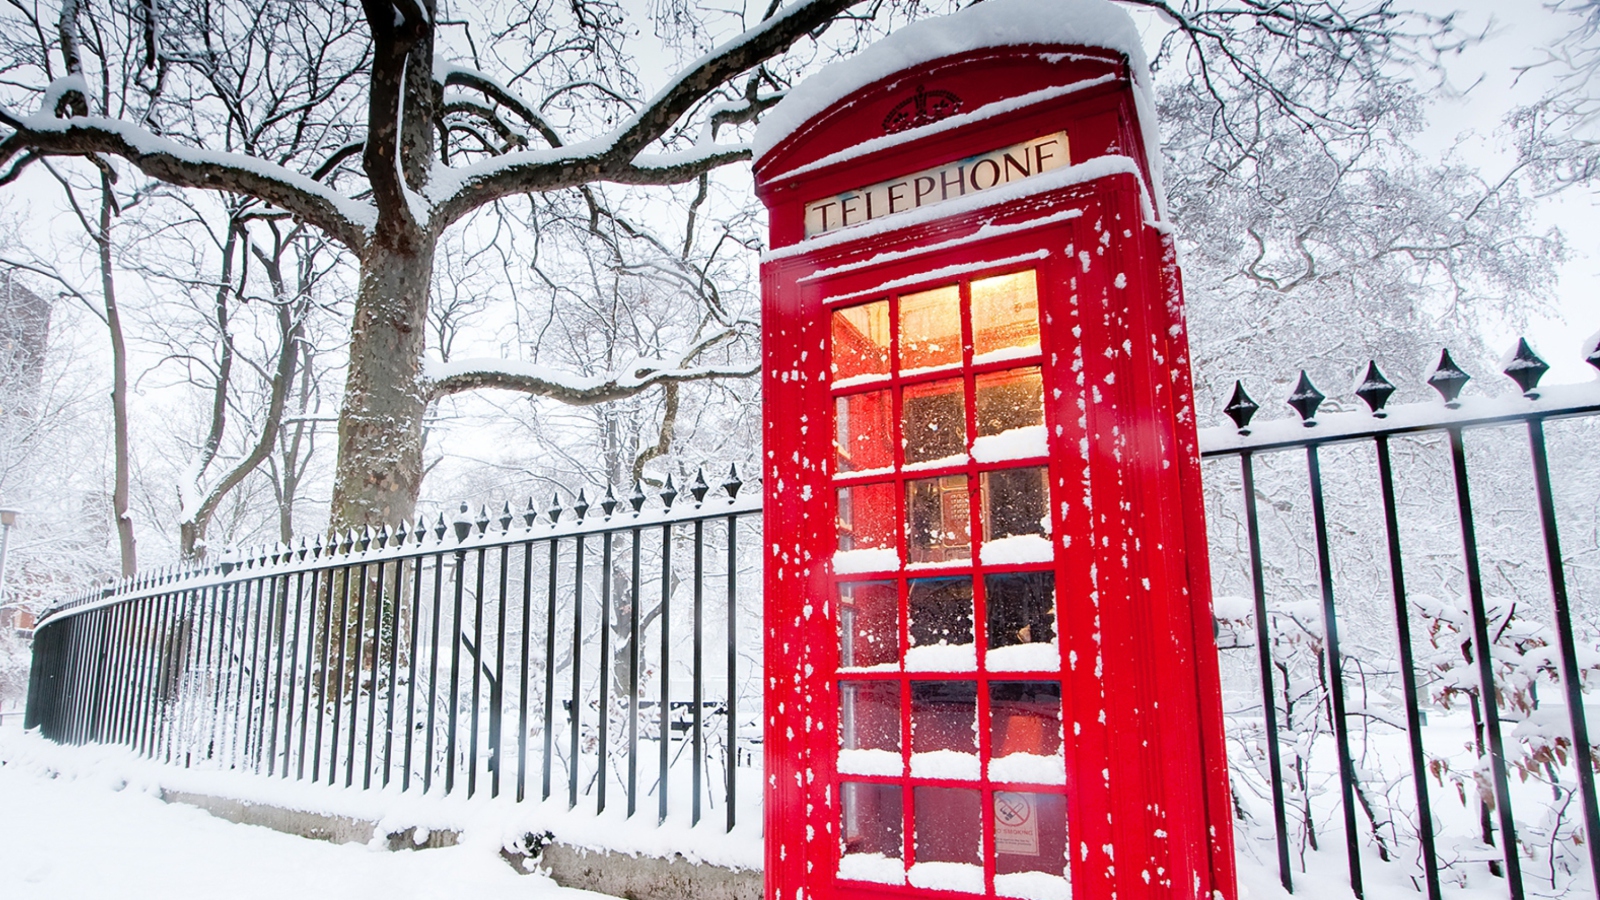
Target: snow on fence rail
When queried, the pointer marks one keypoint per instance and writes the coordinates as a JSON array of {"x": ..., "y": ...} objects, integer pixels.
[
  {"x": 458, "y": 659},
  {"x": 1378, "y": 729}
]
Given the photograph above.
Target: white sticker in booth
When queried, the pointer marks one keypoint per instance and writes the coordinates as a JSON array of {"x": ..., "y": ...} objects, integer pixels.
[{"x": 1016, "y": 823}]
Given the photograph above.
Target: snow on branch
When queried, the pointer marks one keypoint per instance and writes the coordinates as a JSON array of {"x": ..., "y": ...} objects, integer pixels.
[
  {"x": 616, "y": 157},
  {"x": 450, "y": 75},
  {"x": 346, "y": 221},
  {"x": 458, "y": 376}
]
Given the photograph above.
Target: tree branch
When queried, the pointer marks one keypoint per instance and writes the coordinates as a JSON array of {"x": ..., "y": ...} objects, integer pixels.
[
  {"x": 572, "y": 392},
  {"x": 616, "y": 158},
  {"x": 342, "y": 219}
]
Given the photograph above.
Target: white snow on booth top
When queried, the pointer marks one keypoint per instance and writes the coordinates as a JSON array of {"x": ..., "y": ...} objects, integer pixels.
[{"x": 997, "y": 23}]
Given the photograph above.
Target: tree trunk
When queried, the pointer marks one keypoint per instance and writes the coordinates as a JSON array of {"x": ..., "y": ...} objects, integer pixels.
[
  {"x": 119, "y": 388},
  {"x": 380, "y": 424}
]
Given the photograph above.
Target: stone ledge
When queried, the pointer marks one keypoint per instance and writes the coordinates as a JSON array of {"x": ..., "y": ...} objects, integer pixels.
[{"x": 605, "y": 872}]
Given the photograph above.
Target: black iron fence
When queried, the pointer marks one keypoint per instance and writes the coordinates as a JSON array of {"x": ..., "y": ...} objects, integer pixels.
[
  {"x": 1366, "y": 586},
  {"x": 457, "y": 658},
  {"x": 1427, "y": 705}
]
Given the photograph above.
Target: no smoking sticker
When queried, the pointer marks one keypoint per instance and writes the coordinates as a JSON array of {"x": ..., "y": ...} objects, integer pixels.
[{"x": 1016, "y": 824}]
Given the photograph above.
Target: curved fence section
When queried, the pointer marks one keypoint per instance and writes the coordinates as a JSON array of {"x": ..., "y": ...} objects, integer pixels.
[
  {"x": 608, "y": 652},
  {"x": 1407, "y": 618}
]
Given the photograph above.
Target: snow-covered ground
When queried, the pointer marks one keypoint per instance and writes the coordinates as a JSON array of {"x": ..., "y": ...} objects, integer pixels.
[
  {"x": 89, "y": 830},
  {"x": 89, "y": 822}
]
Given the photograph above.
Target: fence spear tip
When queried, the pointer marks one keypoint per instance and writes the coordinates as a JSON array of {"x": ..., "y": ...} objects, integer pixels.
[
  {"x": 1448, "y": 379},
  {"x": 1241, "y": 409},
  {"x": 1375, "y": 389},
  {"x": 1524, "y": 366}
]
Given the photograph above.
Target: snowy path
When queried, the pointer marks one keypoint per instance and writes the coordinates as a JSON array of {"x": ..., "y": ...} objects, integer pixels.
[{"x": 88, "y": 837}]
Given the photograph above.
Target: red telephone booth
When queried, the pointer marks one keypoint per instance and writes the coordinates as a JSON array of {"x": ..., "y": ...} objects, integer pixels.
[{"x": 990, "y": 659}]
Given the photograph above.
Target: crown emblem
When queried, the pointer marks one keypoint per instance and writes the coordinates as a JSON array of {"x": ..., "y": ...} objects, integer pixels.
[{"x": 922, "y": 108}]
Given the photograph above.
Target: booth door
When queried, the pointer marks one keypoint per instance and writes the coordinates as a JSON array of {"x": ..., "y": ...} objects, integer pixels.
[{"x": 950, "y": 767}]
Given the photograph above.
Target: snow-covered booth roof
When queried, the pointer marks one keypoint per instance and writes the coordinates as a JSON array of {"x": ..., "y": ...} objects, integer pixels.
[{"x": 992, "y": 77}]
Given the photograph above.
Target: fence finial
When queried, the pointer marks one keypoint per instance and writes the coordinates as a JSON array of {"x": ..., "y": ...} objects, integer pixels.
[
  {"x": 463, "y": 522},
  {"x": 1305, "y": 399},
  {"x": 610, "y": 503},
  {"x": 668, "y": 493},
  {"x": 555, "y": 508},
  {"x": 530, "y": 514},
  {"x": 1241, "y": 408},
  {"x": 1526, "y": 368},
  {"x": 637, "y": 500},
  {"x": 505, "y": 518},
  {"x": 439, "y": 530},
  {"x": 732, "y": 483},
  {"x": 581, "y": 507},
  {"x": 1448, "y": 379},
  {"x": 382, "y": 537},
  {"x": 1375, "y": 389},
  {"x": 699, "y": 488},
  {"x": 1591, "y": 352}
]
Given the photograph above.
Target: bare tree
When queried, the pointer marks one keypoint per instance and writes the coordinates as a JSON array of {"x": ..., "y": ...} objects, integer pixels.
[{"x": 420, "y": 115}]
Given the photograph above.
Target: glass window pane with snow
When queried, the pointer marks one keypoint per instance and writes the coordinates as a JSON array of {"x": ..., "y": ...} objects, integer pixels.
[
  {"x": 949, "y": 839},
  {"x": 861, "y": 341},
  {"x": 941, "y": 625},
  {"x": 869, "y": 727},
  {"x": 864, "y": 432},
  {"x": 1020, "y": 621},
  {"x": 867, "y": 518},
  {"x": 930, "y": 329},
  {"x": 871, "y": 833},
  {"x": 934, "y": 424},
  {"x": 869, "y": 625},
  {"x": 1010, "y": 415},
  {"x": 1005, "y": 317},
  {"x": 938, "y": 520}
]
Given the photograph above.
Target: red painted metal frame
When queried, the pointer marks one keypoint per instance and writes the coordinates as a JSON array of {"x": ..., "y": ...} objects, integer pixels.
[{"x": 1148, "y": 811}]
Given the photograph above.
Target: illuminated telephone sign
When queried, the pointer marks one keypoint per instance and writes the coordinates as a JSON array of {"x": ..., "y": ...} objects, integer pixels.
[{"x": 989, "y": 653}]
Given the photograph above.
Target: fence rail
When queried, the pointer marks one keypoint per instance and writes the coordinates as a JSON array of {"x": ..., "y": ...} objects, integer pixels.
[
  {"x": 1303, "y": 624},
  {"x": 406, "y": 656}
]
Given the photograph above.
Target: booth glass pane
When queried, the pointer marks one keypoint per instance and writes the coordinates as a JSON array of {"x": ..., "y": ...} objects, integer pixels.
[
  {"x": 1010, "y": 399},
  {"x": 1015, "y": 502},
  {"x": 861, "y": 341},
  {"x": 1030, "y": 844},
  {"x": 935, "y": 422},
  {"x": 938, "y": 522},
  {"x": 864, "y": 431},
  {"x": 1005, "y": 316},
  {"x": 930, "y": 328},
  {"x": 949, "y": 839},
  {"x": 944, "y": 717},
  {"x": 1020, "y": 621},
  {"x": 869, "y": 727},
  {"x": 1025, "y": 732},
  {"x": 869, "y": 625},
  {"x": 871, "y": 832},
  {"x": 867, "y": 517},
  {"x": 941, "y": 625}
]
